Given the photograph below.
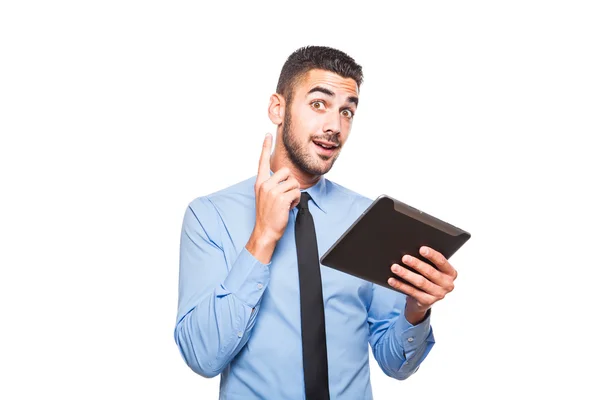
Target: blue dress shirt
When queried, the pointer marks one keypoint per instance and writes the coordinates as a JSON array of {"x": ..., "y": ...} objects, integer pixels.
[{"x": 240, "y": 318}]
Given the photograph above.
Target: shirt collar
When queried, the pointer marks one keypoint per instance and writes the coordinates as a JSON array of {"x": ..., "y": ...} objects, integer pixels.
[{"x": 317, "y": 193}]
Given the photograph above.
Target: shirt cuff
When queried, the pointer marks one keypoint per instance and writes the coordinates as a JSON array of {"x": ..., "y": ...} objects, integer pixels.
[
  {"x": 248, "y": 278},
  {"x": 412, "y": 336}
]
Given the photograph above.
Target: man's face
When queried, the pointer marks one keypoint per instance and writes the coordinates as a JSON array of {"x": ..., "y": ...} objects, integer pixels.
[{"x": 320, "y": 114}]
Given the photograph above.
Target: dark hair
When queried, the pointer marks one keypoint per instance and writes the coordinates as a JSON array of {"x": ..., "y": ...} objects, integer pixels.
[{"x": 306, "y": 58}]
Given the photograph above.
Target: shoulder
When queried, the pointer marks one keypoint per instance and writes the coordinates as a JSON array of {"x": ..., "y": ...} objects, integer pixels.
[{"x": 237, "y": 195}]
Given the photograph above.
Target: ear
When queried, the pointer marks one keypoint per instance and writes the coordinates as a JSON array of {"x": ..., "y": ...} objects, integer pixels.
[{"x": 276, "y": 109}]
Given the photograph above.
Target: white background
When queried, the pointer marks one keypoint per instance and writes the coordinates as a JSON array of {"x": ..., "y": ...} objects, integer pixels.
[{"x": 114, "y": 115}]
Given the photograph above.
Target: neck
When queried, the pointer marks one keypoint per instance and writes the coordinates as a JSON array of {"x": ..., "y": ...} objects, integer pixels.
[{"x": 280, "y": 159}]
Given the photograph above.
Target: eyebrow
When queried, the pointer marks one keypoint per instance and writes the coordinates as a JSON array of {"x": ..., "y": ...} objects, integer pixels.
[{"x": 350, "y": 99}]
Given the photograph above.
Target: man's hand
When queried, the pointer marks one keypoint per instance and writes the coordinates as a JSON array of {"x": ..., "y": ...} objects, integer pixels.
[
  {"x": 275, "y": 195},
  {"x": 431, "y": 285}
]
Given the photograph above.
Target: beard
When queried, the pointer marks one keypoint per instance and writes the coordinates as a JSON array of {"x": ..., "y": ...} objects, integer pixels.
[{"x": 300, "y": 155}]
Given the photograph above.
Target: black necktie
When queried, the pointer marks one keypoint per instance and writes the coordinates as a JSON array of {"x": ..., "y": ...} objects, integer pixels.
[{"x": 314, "y": 347}]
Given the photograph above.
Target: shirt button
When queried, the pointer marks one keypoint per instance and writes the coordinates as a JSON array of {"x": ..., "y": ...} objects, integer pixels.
[
  {"x": 410, "y": 339},
  {"x": 240, "y": 334},
  {"x": 260, "y": 286}
]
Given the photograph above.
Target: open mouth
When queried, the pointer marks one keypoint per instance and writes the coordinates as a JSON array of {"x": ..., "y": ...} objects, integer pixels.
[{"x": 326, "y": 146}]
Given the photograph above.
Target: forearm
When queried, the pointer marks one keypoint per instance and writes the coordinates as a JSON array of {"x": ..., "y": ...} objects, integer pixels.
[
  {"x": 216, "y": 327},
  {"x": 208, "y": 336},
  {"x": 403, "y": 347}
]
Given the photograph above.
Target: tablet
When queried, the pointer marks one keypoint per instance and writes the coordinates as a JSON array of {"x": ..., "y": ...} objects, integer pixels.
[{"x": 387, "y": 230}]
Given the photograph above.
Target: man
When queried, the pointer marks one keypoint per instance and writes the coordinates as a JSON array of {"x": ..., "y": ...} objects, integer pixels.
[{"x": 254, "y": 304}]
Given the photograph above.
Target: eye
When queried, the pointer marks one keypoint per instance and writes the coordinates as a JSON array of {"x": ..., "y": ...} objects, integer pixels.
[
  {"x": 318, "y": 105},
  {"x": 347, "y": 113}
]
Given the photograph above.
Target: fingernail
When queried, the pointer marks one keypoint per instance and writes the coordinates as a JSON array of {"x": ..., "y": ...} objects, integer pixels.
[
  {"x": 407, "y": 259},
  {"x": 425, "y": 251},
  {"x": 395, "y": 267},
  {"x": 391, "y": 281}
]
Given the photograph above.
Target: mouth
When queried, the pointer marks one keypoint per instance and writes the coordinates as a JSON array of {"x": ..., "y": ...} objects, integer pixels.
[{"x": 326, "y": 148}]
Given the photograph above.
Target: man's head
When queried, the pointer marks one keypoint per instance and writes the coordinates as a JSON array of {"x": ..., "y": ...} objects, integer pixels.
[{"x": 314, "y": 105}]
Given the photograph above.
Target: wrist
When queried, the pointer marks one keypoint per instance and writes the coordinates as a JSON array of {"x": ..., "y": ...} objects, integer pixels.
[
  {"x": 413, "y": 313},
  {"x": 261, "y": 246}
]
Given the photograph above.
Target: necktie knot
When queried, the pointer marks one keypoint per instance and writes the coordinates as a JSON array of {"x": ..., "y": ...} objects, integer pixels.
[{"x": 304, "y": 197}]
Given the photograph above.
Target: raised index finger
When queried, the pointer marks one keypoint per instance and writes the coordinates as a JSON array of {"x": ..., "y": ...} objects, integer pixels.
[{"x": 264, "y": 165}]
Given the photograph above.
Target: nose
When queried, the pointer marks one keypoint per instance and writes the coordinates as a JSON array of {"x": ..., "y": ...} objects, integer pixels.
[{"x": 333, "y": 123}]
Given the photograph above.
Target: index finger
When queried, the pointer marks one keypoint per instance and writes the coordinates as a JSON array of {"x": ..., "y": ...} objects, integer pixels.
[
  {"x": 264, "y": 165},
  {"x": 439, "y": 260}
]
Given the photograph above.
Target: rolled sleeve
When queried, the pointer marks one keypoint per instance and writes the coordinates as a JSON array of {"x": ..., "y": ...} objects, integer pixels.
[{"x": 248, "y": 278}]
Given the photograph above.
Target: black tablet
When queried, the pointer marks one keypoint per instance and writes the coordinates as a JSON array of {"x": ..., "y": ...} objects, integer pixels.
[{"x": 387, "y": 230}]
